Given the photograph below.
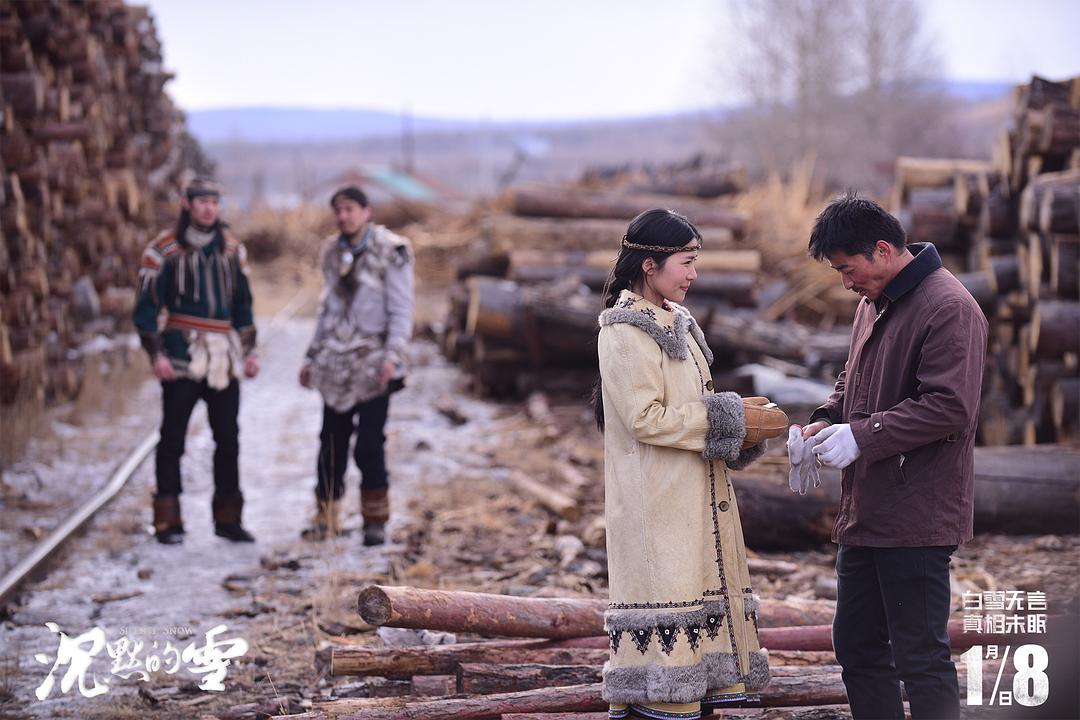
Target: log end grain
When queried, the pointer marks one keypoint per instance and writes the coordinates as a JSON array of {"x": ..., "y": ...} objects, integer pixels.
[{"x": 374, "y": 606}]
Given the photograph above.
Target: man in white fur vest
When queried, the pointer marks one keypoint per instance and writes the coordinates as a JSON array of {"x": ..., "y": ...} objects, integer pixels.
[{"x": 356, "y": 359}]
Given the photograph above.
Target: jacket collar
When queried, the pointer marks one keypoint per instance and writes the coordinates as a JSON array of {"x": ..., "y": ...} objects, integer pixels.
[
  {"x": 667, "y": 326},
  {"x": 925, "y": 262}
]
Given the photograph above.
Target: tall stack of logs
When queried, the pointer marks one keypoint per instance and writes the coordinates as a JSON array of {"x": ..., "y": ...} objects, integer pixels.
[
  {"x": 91, "y": 149},
  {"x": 1010, "y": 229}
]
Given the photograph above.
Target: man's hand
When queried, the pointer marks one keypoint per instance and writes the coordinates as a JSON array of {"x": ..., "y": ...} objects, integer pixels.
[
  {"x": 163, "y": 369},
  {"x": 305, "y": 375},
  {"x": 251, "y": 365},
  {"x": 387, "y": 372},
  {"x": 814, "y": 429},
  {"x": 836, "y": 447}
]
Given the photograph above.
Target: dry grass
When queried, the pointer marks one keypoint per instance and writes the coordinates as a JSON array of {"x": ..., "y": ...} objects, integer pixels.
[{"x": 782, "y": 211}]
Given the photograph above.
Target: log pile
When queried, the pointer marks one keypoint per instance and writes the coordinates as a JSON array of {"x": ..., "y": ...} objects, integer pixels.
[
  {"x": 529, "y": 296},
  {"x": 90, "y": 152},
  {"x": 698, "y": 176},
  {"x": 502, "y": 678},
  {"x": 1010, "y": 229}
]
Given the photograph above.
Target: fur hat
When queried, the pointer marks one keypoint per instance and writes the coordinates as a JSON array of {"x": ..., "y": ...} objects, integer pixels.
[{"x": 202, "y": 186}]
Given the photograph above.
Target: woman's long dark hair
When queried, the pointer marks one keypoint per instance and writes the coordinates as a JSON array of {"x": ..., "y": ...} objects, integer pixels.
[{"x": 658, "y": 227}]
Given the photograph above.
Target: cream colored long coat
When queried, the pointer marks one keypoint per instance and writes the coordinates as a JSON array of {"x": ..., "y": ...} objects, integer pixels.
[{"x": 682, "y": 617}]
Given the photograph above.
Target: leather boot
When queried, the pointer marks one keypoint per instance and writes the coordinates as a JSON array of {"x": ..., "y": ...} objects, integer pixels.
[
  {"x": 762, "y": 422},
  {"x": 327, "y": 521},
  {"x": 168, "y": 527},
  {"x": 375, "y": 509},
  {"x": 227, "y": 509}
]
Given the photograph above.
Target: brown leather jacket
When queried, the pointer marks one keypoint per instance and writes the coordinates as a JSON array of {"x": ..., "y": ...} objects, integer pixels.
[{"x": 911, "y": 391}]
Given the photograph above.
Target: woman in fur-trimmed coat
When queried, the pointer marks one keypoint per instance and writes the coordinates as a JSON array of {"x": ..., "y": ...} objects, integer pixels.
[{"x": 682, "y": 618}]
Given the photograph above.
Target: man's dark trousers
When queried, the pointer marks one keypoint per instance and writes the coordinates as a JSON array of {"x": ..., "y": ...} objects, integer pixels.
[
  {"x": 892, "y": 614},
  {"x": 222, "y": 407},
  {"x": 368, "y": 420}
]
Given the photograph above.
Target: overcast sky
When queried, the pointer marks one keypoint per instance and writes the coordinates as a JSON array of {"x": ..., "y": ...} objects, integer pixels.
[{"x": 535, "y": 59}]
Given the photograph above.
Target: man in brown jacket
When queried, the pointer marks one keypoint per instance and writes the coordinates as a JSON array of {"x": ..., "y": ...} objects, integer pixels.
[{"x": 900, "y": 423}]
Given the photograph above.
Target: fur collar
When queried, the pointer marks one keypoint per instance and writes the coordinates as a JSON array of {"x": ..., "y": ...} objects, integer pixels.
[{"x": 667, "y": 328}]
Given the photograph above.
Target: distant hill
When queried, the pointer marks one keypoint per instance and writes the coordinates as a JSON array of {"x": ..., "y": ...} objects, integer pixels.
[
  {"x": 287, "y": 124},
  {"x": 291, "y": 124},
  {"x": 974, "y": 91}
]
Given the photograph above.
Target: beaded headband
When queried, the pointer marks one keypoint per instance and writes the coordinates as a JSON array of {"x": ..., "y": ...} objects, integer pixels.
[{"x": 660, "y": 248}]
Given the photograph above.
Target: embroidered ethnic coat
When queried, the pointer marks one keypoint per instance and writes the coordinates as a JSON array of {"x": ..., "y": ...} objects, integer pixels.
[
  {"x": 682, "y": 618},
  {"x": 195, "y": 306}
]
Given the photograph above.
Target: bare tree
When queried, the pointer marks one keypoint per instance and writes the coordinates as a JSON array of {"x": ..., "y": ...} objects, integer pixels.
[{"x": 844, "y": 80}]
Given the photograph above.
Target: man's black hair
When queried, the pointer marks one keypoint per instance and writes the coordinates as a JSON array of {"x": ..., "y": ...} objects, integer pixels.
[
  {"x": 352, "y": 193},
  {"x": 853, "y": 225}
]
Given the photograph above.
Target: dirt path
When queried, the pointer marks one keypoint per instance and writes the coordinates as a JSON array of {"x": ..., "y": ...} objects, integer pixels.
[{"x": 116, "y": 577}]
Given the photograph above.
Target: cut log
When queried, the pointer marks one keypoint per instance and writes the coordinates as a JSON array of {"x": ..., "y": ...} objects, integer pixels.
[
  {"x": 983, "y": 287},
  {"x": 725, "y": 261},
  {"x": 558, "y": 202},
  {"x": 1030, "y": 257},
  {"x": 782, "y": 340},
  {"x": 1040, "y": 93},
  {"x": 1006, "y": 270},
  {"x": 599, "y": 715},
  {"x": 913, "y": 173},
  {"x": 547, "y": 323},
  {"x": 1055, "y": 329},
  {"x": 407, "y": 662},
  {"x": 931, "y": 217},
  {"x": 508, "y": 232},
  {"x": 459, "y": 611},
  {"x": 1060, "y": 131},
  {"x": 571, "y": 477},
  {"x": 1017, "y": 490},
  {"x": 471, "y": 707},
  {"x": 708, "y": 182},
  {"x": 480, "y": 612},
  {"x": 1065, "y": 266},
  {"x": 553, "y": 500},
  {"x": 1059, "y": 210},
  {"x": 1031, "y": 199},
  {"x": 1065, "y": 407},
  {"x": 435, "y": 685},
  {"x": 996, "y": 216},
  {"x": 486, "y": 679},
  {"x": 738, "y": 289},
  {"x": 25, "y": 91}
]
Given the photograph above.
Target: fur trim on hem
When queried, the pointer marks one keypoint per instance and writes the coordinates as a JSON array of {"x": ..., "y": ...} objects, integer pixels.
[
  {"x": 717, "y": 606},
  {"x": 749, "y": 455},
  {"x": 759, "y": 670},
  {"x": 654, "y": 683},
  {"x": 721, "y": 669},
  {"x": 630, "y": 620},
  {"x": 671, "y": 340},
  {"x": 727, "y": 426}
]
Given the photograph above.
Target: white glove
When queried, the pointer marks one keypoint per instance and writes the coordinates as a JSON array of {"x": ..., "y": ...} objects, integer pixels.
[
  {"x": 804, "y": 465},
  {"x": 836, "y": 447}
]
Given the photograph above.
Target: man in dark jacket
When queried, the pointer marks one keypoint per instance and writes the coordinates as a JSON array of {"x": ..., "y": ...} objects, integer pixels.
[
  {"x": 900, "y": 423},
  {"x": 196, "y": 278}
]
